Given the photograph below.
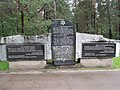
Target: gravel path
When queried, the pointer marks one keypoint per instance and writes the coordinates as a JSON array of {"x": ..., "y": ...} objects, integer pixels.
[{"x": 61, "y": 81}]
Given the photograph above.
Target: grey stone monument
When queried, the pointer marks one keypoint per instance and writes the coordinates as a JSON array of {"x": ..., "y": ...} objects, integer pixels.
[{"x": 63, "y": 41}]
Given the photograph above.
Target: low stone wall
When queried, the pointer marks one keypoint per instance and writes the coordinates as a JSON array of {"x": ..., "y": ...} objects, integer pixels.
[
  {"x": 3, "y": 56},
  {"x": 117, "y": 49},
  {"x": 96, "y": 62},
  {"x": 46, "y": 40}
]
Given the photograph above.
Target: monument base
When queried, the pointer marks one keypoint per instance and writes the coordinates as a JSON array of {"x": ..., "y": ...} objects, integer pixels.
[
  {"x": 100, "y": 62},
  {"x": 23, "y": 65},
  {"x": 62, "y": 63}
]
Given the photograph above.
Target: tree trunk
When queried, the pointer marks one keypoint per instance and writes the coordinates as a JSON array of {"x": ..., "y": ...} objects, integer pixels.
[
  {"x": 75, "y": 2},
  {"x": 22, "y": 21},
  {"x": 119, "y": 28},
  {"x": 109, "y": 20},
  {"x": 119, "y": 19},
  {"x": 91, "y": 18},
  {"x": 17, "y": 4},
  {"x": 55, "y": 8},
  {"x": 94, "y": 3},
  {"x": 76, "y": 24},
  {"x": 2, "y": 31}
]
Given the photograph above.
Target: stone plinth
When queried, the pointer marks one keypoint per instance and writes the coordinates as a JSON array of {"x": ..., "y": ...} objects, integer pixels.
[
  {"x": 23, "y": 65},
  {"x": 96, "y": 62}
]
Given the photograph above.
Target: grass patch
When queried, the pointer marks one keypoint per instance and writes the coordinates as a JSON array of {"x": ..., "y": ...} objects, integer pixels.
[
  {"x": 49, "y": 61},
  {"x": 116, "y": 62},
  {"x": 4, "y": 65}
]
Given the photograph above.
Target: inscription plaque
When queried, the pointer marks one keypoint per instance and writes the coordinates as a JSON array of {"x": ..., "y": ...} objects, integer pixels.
[
  {"x": 25, "y": 52},
  {"x": 98, "y": 49},
  {"x": 63, "y": 40}
]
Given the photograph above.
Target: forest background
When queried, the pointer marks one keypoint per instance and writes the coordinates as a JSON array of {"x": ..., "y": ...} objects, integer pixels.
[{"x": 34, "y": 17}]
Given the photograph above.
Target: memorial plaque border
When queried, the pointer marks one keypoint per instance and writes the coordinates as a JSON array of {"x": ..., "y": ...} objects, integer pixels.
[
  {"x": 37, "y": 58},
  {"x": 99, "y": 55}
]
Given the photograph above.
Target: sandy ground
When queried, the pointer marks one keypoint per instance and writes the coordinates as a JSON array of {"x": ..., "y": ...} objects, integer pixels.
[{"x": 107, "y": 80}]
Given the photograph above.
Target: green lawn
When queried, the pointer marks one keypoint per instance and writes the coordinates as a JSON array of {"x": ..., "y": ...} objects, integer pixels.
[
  {"x": 116, "y": 62},
  {"x": 4, "y": 65}
]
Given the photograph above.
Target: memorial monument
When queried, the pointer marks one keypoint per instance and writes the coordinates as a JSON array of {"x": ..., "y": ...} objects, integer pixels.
[{"x": 63, "y": 41}]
